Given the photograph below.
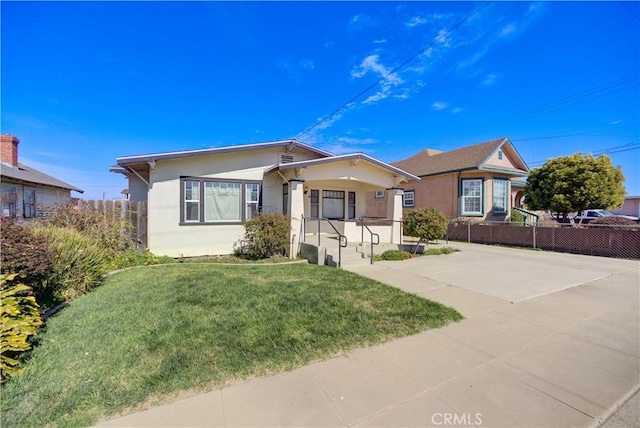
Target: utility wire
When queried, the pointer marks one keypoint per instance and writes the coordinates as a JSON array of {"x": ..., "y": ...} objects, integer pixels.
[
  {"x": 629, "y": 10},
  {"x": 390, "y": 73},
  {"x": 635, "y": 145},
  {"x": 576, "y": 98}
]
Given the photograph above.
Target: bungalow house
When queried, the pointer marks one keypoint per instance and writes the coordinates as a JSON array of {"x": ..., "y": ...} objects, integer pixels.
[
  {"x": 198, "y": 200},
  {"x": 25, "y": 191},
  {"x": 470, "y": 182}
]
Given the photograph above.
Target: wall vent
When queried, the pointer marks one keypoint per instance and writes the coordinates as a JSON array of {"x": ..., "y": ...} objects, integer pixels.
[{"x": 286, "y": 158}]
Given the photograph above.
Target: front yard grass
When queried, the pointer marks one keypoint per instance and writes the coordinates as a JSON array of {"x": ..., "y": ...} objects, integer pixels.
[{"x": 146, "y": 334}]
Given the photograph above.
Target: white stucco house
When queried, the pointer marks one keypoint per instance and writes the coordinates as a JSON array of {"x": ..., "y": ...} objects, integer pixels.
[{"x": 198, "y": 200}]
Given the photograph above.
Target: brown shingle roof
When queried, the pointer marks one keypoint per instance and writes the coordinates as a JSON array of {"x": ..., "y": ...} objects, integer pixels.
[{"x": 426, "y": 163}]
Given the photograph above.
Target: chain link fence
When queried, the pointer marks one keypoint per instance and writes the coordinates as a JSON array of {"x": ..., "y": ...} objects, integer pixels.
[{"x": 595, "y": 240}]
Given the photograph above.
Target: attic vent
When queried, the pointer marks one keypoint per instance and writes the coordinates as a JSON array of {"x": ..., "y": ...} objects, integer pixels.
[{"x": 286, "y": 158}]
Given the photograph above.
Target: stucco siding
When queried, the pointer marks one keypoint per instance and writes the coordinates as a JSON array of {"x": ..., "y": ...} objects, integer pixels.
[{"x": 167, "y": 236}]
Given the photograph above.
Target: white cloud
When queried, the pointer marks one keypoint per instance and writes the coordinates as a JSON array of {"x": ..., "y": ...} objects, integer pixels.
[
  {"x": 456, "y": 110},
  {"x": 371, "y": 64},
  {"x": 508, "y": 29},
  {"x": 360, "y": 22},
  {"x": 343, "y": 145},
  {"x": 443, "y": 38},
  {"x": 415, "y": 21},
  {"x": 490, "y": 79},
  {"x": 307, "y": 63},
  {"x": 439, "y": 105},
  {"x": 380, "y": 41}
]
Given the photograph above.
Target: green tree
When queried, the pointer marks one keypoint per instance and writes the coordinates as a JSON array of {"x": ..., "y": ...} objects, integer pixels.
[
  {"x": 575, "y": 183},
  {"x": 425, "y": 224}
]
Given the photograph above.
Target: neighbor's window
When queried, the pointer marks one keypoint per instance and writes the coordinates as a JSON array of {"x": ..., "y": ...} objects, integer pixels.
[
  {"x": 29, "y": 204},
  {"x": 409, "y": 198},
  {"x": 472, "y": 197},
  {"x": 500, "y": 195},
  {"x": 191, "y": 201},
  {"x": 213, "y": 201}
]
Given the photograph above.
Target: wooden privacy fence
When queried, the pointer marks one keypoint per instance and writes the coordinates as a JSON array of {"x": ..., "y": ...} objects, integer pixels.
[{"x": 135, "y": 212}]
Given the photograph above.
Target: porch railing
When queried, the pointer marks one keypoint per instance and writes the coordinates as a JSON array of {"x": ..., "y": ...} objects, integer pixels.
[
  {"x": 342, "y": 239},
  {"x": 372, "y": 234}
]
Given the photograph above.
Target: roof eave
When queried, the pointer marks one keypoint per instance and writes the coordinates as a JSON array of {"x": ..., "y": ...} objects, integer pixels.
[
  {"x": 218, "y": 150},
  {"x": 338, "y": 158}
]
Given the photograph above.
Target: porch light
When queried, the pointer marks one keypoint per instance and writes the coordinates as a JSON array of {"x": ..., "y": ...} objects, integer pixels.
[{"x": 306, "y": 190}]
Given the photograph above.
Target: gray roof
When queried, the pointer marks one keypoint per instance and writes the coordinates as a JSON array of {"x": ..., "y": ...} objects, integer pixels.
[
  {"x": 124, "y": 160},
  {"x": 31, "y": 175},
  {"x": 351, "y": 156}
]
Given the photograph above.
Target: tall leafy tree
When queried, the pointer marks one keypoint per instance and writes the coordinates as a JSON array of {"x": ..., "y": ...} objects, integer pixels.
[{"x": 575, "y": 183}]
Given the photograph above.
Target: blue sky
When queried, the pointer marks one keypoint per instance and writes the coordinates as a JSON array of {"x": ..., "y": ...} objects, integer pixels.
[{"x": 86, "y": 82}]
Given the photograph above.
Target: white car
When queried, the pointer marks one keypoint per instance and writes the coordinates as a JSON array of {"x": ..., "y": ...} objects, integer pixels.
[{"x": 590, "y": 215}]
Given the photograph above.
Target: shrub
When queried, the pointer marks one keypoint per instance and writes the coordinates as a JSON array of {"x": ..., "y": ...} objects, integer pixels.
[
  {"x": 517, "y": 217},
  {"x": 26, "y": 255},
  {"x": 79, "y": 260},
  {"x": 614, "y": 221},
  {"x": 111, "y": 230},
  {"x": 266, "y": 235},
  {"x": 439, "y": 251},
  {"x": 396, "y": 255},
  {"x": 425, "y": 224},
  {"x": 130, "y": 258},
  {"x": 20, "y": 318}
]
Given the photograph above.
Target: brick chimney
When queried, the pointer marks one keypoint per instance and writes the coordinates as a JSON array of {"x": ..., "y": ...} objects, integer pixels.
[{"x": 9, "y": 149}]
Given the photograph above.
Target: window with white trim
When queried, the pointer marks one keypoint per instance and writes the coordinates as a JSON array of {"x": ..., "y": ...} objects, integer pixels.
[
  {"x": 219, "y": 201},
  {"x": 379, "y": 194},
  {"x": 409, "y": 198},
  {"x": 471, "y": 203},
  {"x": 500, "y": 195},
  {"x": 285, "y": 197},
  {"x": 191, "y": 201}
]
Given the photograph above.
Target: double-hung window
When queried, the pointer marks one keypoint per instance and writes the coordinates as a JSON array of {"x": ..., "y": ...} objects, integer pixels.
[
  {"x": 219, "y": 201},
  {"x": 500, "y": 195},
  {"x": 471, "y": 203},
  {"x": 29, "y": 204},
  {"x": 333, "y": 204},
  {"x": 409, "y": 198},
  {"x": 191, "y": 201}
]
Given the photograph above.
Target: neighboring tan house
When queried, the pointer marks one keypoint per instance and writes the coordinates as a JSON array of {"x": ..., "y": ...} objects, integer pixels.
[
  {"x": 471, "y": 182},
  {"x": 198, "y": 200},
  {"x": 631, "y": 206},
  {"x": 27, "y": 192}
]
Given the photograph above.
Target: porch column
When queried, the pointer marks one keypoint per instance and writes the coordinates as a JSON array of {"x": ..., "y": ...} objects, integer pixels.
[
  {"x": 296, "y": 211},
  {"x": 394, "y": 211}
]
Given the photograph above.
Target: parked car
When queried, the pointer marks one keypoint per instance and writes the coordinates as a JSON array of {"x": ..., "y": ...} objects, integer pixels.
[{"x": 590, "y": 215}]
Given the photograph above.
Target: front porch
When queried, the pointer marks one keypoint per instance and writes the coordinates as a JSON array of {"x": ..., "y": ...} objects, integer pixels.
[{"x": 328, "y": 197}]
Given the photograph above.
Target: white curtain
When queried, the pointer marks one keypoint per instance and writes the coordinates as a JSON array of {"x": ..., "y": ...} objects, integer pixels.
[{"x": 222, "y": 201}]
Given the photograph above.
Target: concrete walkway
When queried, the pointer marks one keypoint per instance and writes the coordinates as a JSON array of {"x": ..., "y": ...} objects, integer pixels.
[{"x": 549, "y": 340}]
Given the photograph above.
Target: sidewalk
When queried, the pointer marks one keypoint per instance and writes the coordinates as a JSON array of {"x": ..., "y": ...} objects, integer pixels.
[{"x": 563, "y": 354}]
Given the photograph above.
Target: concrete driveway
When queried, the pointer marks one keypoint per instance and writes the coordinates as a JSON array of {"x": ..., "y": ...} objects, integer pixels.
[{"x": 549, "y": 340}]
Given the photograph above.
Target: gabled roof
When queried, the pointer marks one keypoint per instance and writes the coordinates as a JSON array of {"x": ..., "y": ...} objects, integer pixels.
[
  {"x": 351, "y": 156},
  {"x": 25, "y": 173},
  {"x": 291, "y": 143},
  {"x": 427, "y": 162}
]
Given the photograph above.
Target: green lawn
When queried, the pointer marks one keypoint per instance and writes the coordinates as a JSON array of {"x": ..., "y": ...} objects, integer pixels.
[{"x": 148, "y": 333}]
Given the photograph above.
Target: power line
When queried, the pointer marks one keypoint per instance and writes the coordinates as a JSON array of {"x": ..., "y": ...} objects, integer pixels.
[
  {"x": 390, "y": 73},
  {"x": 608, "y": 88},
  {"x": 635, "y": 145},
  {"x": 551, "y": 137},
  {"x": 629, "y": 10}
]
